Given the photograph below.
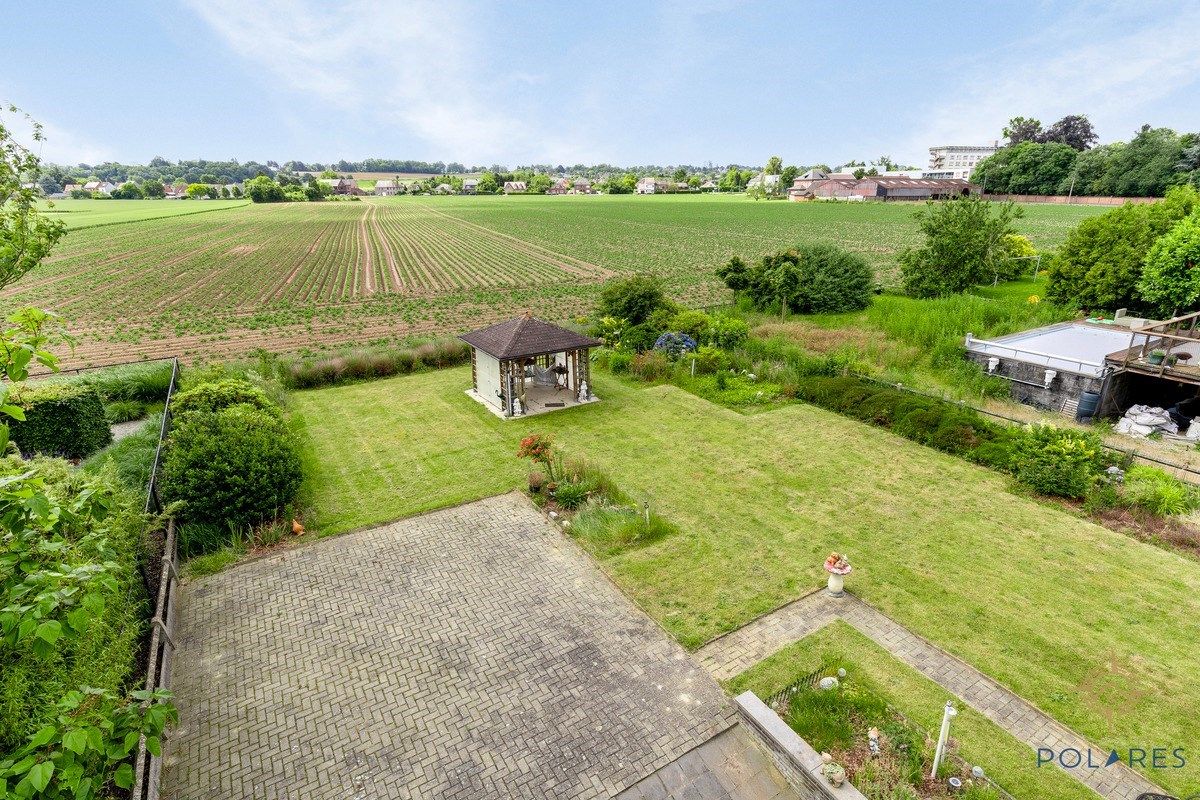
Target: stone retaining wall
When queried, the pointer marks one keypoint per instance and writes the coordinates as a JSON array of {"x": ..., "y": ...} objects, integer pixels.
[
  {"x": 1065, "y": 386},
  {"x": 793, "y": 756}
]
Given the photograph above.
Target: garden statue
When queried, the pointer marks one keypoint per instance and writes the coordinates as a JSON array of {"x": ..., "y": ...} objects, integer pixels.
[
  {"x": 833, "y": 772},
  {"x": 838, "y": 568},
  {"x": 873, "y": 741},
  {"x": 584, "y": 392}
]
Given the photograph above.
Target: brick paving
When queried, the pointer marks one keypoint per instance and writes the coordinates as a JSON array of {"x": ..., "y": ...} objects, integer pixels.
[
  {"x": 468, "y": 653},
  {"x": 739, "y": 650}
]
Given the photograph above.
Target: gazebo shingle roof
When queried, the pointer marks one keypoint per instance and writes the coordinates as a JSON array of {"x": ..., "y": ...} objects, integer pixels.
[{"x": 525, "y": 336}]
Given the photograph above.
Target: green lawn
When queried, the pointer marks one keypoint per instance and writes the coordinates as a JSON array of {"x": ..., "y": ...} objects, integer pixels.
[
  {"x": 1008, "y": 761},
  {"x": 1042, "y": 600}
]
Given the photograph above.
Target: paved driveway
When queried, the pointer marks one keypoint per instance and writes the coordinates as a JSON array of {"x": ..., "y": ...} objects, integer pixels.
[{"x": 471, "y": 653}]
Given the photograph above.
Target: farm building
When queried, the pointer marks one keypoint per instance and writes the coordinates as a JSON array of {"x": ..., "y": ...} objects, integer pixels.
[
  {"x": 470, "y": 185},
  {"x": 512, "y": 187},
  {"x": 560, "y": 186},
  {"x": 444, "y": 188},
  {"x": 387, "y": 188},
  {"x": 883, "y": 188},
  {"x": 708, "y": 186},
  {"x": 581, "y": 186},
  {"x": 822, "y": 188},
  {"x": 527, "y": 366},
  {"x": 1097, "y": 369}
]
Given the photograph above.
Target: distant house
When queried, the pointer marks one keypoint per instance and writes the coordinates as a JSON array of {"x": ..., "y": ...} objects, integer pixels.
[
  {"x": 582, "y": 186},
  {"x": 71, "y": 187},
  {"x": 174, "y": 191},
  {"x": 444, "y": 188},
  {"x": 560, "y": 186},
  {"x": 880, "y": 188},
  {"x": 101, "y": 187},
  {"x": 708, "y": 186},
  {"x": 229, "y": 187},
  {"x": 511, "y": 187},
  {"x": 35, "y": 188},
  {"x": 387, "y": 188},
  {"x": 470, "y": 185},
  {"x": 649, "y": 185},
  {"x": 342, "y": 186},
  {"x": 763, "y": 181},
  {"x": 415, "y": 187}
]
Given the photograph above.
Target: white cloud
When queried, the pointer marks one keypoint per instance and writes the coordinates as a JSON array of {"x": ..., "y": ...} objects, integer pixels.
[
  {"x": 412, "y": 65},
  {"x": 1112, "y": 68}
]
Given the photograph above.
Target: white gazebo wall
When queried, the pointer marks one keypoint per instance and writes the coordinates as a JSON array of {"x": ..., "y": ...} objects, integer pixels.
[{"x": 487, "y": 379}]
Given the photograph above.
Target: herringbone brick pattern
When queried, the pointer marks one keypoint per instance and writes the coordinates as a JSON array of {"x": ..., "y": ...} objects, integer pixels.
[
  {"x": 739, "y": 650},
  {"x": 469, "y": 653}
]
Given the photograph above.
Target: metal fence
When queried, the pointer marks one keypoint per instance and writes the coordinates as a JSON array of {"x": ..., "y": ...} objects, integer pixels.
[
  {"x": 779, "y": 701},
  {"x": 147, "y": 768}
]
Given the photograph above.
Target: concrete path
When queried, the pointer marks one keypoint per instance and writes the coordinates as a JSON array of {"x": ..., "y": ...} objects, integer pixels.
[
  {"x": 738, "y": 650},
  {"x": 468, "y": 653}
]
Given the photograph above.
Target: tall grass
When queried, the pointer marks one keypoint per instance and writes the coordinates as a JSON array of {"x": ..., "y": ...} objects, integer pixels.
[
  {"x": 930, "y": 323},
  {"x": 142, "y": 383},
  {"x": 367, "y": 365}
]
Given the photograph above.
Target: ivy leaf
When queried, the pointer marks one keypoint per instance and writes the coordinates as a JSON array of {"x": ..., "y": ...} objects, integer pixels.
[
  {"x": 124, "y": 776},
  {"x": 39, "y": 776},
  {"x": 75, "y": 741}
]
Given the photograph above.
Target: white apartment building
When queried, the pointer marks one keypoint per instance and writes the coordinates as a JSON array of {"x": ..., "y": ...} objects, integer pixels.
[{"x": 956, "y": 160}]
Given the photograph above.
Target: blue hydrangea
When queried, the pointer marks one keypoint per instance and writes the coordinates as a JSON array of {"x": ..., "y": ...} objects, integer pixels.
[{"x": 675, "y": 344}]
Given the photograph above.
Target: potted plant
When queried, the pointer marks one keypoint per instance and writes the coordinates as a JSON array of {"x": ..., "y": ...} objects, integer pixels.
[
  {"x": 834, "y": 773},
  {"x": 1157, "y": 356},
  {"x": 1172, "y": 359},
  {"x": 838, "y": 568}
]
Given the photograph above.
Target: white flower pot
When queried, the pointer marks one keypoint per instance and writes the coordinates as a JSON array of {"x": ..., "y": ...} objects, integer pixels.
[{"x": 837, "y": 584}]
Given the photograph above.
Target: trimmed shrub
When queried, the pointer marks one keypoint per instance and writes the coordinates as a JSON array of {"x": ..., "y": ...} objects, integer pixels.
[
  {"x": 61, "y": 419},
  {"x": 1057, "y": 461},
  {"x": 222, "y": 394},
  {"x": 710, "y": 359},
  {"x": 236, "y": 466}
]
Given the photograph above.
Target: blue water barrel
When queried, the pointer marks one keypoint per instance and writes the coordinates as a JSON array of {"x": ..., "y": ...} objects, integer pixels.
[{"x": 1089, "y": 403}]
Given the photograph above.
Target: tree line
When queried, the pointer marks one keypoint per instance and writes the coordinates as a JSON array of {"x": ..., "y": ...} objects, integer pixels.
[{"x": 1063, "y": 159}]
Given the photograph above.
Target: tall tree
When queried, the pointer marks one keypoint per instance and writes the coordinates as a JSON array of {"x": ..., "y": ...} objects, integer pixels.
[
  {"x": 1073, "y": 130},
  {"x": 25, "y": 235},
  {"x": 1145, "y": 167},
  {"x": 774, "y": 165},
  {"x": 1023, "y": 129}
]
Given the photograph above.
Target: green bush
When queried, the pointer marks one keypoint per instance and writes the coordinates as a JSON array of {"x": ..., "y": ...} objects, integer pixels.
[
  {"x": 61, "y": 419},
  {"x": 639, "y": 338},
  {"x": 693, "y": 323},
  {"x": 710, "y": 359},
  {"x": 965, "y": 245},
  {"x": 1159, "y": 493},
  {"x": 1099, "y": 266},
  {"x": 1057, "y": 461},
  {"x": 237, "y": 466},
  {"x": 621, "y": 361},
  {"x": 1170, "y": 280},
  {"x": 808, "y": 278},
  {"x": 633, "y": 299},
  {"x": 727, "y": 332},
  {"x": 221, "y": 394}
]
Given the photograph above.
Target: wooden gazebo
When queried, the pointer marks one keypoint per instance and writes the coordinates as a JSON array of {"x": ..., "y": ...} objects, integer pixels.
[{"x": 527, "y": 366}]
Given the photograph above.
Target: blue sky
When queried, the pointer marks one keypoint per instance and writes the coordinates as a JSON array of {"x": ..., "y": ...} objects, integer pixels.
[{"x": 626, "y": 81}]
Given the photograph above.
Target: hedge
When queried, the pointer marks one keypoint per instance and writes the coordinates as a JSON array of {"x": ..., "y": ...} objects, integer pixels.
[{"x": 60, "y": 420}]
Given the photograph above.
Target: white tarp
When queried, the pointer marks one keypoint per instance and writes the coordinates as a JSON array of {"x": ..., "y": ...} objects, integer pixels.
[{"x": 1145, "y": 420}]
